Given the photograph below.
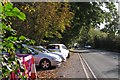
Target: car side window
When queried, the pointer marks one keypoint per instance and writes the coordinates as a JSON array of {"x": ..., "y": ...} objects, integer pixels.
[
  {"x": 33, "y": 52},
  {"x": 64, "y": 47},
  {"x": 57, "y": 47},
  {"x": 22, "y": 51},
  {"x": 53, "y": 47}
]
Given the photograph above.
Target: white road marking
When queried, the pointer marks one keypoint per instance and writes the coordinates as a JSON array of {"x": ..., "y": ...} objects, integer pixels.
[
  {"x": 86, "y": 74},
  {"x": 89, "y": 68},
  {"x": 85, "y": 71}
]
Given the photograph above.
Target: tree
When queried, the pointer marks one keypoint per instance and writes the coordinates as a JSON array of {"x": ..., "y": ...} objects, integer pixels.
[
  {"x": 95, "y": 35},
  {"x": 66, "y": 23},
  {"x": 88, "y": 15},
  {"x": 45, "y": 21},
  {"x": 10, "y": 40},
  {"x": 111, "y": 26}
]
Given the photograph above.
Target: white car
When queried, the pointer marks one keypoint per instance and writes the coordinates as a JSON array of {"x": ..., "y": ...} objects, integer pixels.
[
  {"x": 61, "y": 48},
  {"x": 49, "y": 52}
]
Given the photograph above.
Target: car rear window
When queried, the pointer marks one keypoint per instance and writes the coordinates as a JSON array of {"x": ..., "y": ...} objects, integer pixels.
[{"x": 53, "y": 47}]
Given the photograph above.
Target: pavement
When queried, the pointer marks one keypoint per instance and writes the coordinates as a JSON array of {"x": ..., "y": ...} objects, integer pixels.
[{"x": 72, "y": 68}]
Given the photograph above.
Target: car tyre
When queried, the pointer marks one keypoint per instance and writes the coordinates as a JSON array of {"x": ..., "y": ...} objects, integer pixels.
[
  {"x": 45, "y": 64},
  {"x": 68, "y": 55}
]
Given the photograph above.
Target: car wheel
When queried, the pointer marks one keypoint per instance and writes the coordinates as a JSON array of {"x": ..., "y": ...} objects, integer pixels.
[
  {"x": 45, "y": 64},
  {"x": 68, "y": 55}
]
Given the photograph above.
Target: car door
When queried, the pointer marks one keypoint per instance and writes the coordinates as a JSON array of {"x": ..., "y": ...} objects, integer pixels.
[{"x": 36, "y": 55}]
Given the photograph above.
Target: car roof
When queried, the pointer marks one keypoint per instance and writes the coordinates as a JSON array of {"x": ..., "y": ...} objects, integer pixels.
[
  {"x": 39, "y": 46},
  {"x": 55, "y": 44}
]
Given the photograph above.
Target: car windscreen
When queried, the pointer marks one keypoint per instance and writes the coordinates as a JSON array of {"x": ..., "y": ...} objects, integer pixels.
[
  {"x": 39, "y": 49},
  {"x": 53, "y": 47}
]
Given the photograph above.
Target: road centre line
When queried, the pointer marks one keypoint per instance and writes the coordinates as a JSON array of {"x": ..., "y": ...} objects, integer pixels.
[
  {"x": 89, "y": 68},
  {"x": 83, "y": 66},
  {"x": 93, "y": 74}
]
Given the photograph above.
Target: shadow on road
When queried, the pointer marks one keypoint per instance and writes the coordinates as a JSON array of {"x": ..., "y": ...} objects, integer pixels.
[
  {"x": 114, "y": 55},
  {"x": 115, "y": 70},
  {"x": 107, "y": 53},
  {"x": 84, "y": 51}
]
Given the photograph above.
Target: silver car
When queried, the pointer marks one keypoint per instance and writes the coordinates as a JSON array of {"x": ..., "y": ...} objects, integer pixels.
[{"x": 43, "y": 59}]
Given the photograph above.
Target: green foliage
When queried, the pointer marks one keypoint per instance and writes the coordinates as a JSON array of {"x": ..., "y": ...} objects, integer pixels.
[
  {"x": 9, "y": 10},
  {"x": 101, "y": 40},
  {"x": 113, "y": 18},
  {"x": 89, "y": 15},
  {"x": 1, "y": 8},
  {"x": 10, "y": 40},
  {"x": 95, "y": 34},
  {"x": 67, "y": 23},
  {"x": 8, "y": 33},
  {"x": 22, "y": 38},
  {"x": 19, "y": 14}
]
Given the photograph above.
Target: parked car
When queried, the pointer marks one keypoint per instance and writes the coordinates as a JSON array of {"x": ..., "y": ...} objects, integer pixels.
[
  {"x": 43, "y": 59},
  {"x": 88, "y": 46},
  {"x": 61, "y": 48},
  {"x": 49, "y": 52}
]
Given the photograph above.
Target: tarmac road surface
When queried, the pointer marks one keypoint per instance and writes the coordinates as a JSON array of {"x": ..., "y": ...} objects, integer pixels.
[{"x": 103, "y": 63}]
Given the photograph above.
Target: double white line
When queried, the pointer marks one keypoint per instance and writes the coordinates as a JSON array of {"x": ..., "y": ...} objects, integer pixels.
[{"x": 83, "y": 66}]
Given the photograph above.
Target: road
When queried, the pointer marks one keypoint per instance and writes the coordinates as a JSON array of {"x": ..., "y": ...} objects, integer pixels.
[{"x": 104, "y": 64}]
